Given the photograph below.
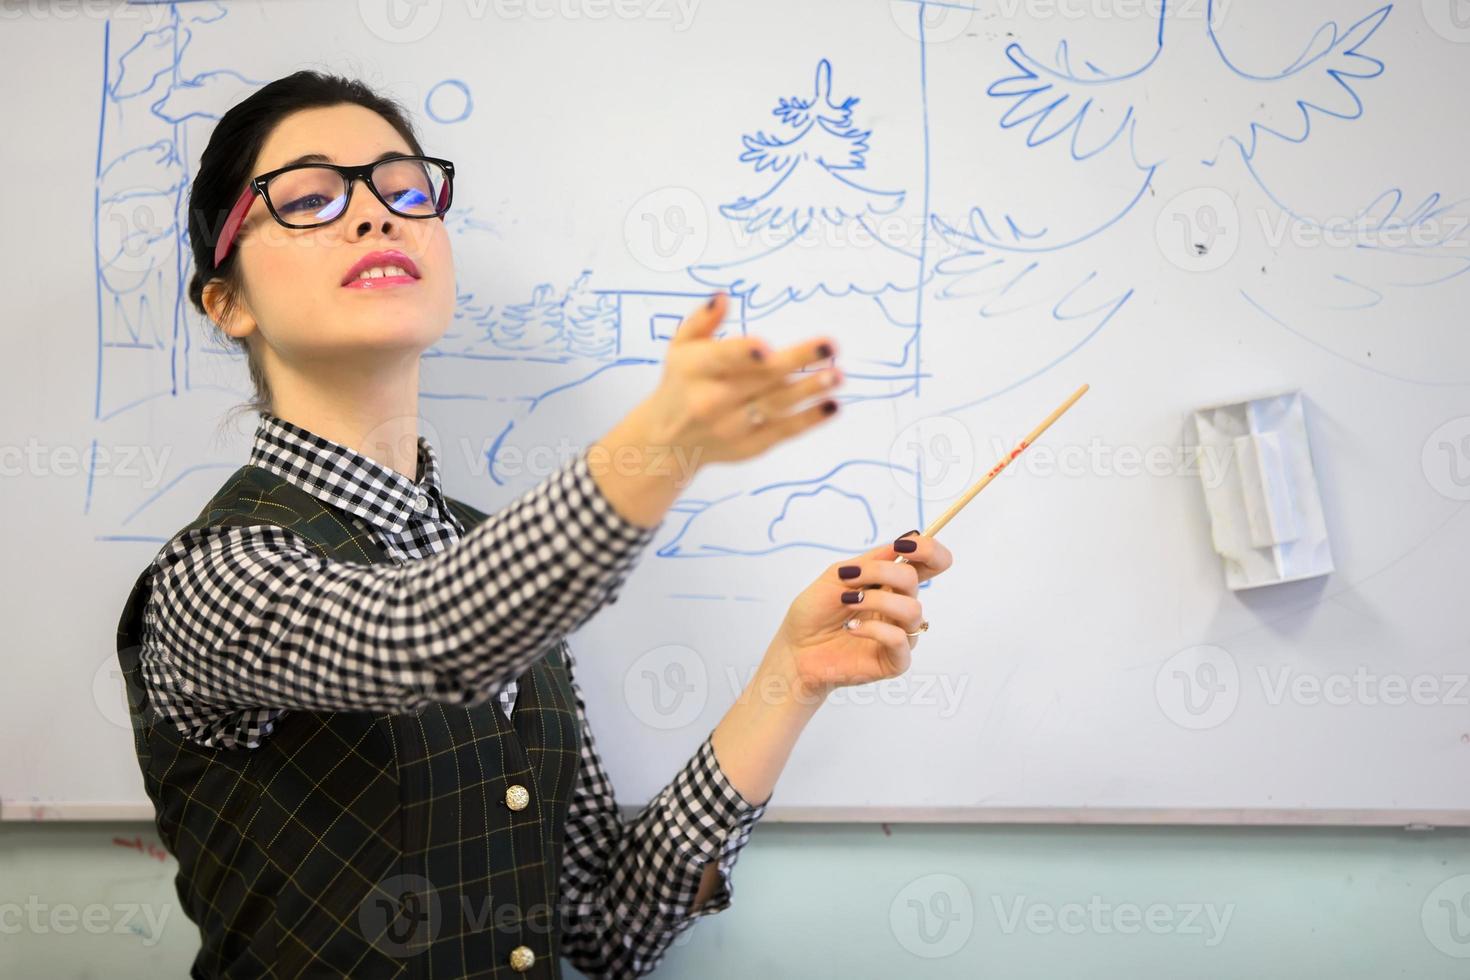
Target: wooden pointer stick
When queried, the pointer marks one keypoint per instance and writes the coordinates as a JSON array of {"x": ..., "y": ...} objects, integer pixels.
[
  {"x": 995, "y": 471},
  {"x": 984, "y": 481}
]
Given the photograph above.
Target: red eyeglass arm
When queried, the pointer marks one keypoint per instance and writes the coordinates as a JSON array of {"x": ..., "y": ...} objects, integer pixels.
[
  {"x": 232, "y": 225},
  {"x": 242, "y": 206}
]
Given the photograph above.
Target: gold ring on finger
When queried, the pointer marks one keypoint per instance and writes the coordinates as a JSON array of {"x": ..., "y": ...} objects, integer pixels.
[{"x": 923, "y": 628}]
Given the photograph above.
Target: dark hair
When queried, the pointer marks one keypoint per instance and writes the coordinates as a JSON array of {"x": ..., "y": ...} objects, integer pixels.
[{"x": 226, "y": 166}]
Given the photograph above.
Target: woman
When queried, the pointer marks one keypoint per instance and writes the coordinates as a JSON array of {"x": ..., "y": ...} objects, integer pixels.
[{"x": 356, "y": 713}]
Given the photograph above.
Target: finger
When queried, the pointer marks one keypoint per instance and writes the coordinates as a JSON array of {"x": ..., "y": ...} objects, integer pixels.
[
  {"x": 929, "y": 556},
  {"x": 892, "y": 656},
  {"x": 789, "y": 394},
  {"x": 785, "y": 360},
  {"x": 738, "y": 359},
  {"x": 888, "y": 550},
  {"x": 912, "y": 636},
  {"x": 774, "y": 392},
  {"x": 703, "y": 322},
  {"x": 939, "y": 559},
  {"x": 735, "y": 399},
  {"x": 900, "y": 577},
  {"x": 784, "y": 427},
  {"x": 932, "y": 562},
  {"x": 887, "y": 554},
  {"x": 904, "y": 610}
]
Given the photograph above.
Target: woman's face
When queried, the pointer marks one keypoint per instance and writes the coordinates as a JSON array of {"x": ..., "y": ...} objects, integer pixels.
[{"x": 293, "y": 278}]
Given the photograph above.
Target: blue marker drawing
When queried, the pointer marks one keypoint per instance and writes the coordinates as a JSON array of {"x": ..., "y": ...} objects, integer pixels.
[
  {"x": 980, "y": 297},
  {"x": 575, "y": 322},
  {"x": 1104, "y": 123},
  {"x": 1091, "y": 112},
  {"x": 449, "y": 101},
  {"x": 828, "y": 512},
  {"x": 818, "y": 237},
  {"x": 158, "y": 97},
  {"x": 815, "y": 223}
]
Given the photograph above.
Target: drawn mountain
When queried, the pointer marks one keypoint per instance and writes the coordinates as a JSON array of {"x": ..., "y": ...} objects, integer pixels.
[{"x": 833, "y": 511}]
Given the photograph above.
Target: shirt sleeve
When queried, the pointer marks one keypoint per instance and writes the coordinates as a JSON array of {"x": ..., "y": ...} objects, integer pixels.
[
  {"x": 245, "y": 622},
  {"x": 626, "y": 888}
]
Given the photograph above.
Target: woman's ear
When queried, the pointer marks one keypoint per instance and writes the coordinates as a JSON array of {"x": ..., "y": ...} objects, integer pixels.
[{"x": 226, "y": 310}]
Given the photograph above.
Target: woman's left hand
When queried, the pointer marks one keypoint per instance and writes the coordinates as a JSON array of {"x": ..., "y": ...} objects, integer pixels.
[{"x": 818, "y": 649}]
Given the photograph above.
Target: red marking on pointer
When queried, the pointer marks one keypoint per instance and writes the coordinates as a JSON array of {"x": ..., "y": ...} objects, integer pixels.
[{"x": 984, "y": 481}]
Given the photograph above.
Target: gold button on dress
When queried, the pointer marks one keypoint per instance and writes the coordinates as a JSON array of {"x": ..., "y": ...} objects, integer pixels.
[{"x": 522, "y": 959}]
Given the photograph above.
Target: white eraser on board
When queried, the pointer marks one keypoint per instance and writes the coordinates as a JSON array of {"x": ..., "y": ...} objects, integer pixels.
[
  {"x": 1260, "y": 488},
  {"x": 1270, "y": 508}
]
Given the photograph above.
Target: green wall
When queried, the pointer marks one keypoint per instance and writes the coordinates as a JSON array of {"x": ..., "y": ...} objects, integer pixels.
[{"x": 96, "y": 900}]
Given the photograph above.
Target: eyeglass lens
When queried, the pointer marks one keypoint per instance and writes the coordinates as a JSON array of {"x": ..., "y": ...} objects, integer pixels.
[{"x": 312, "y": 195}]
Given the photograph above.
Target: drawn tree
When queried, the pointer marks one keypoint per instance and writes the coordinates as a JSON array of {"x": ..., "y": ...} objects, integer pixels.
[
  {"x": 812, "y": 221},
  {"x": 536, "y": 325},
  {"x": 591, "y": 320}
]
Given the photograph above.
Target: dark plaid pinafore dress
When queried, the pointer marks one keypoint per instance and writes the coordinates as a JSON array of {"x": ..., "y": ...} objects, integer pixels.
[{"x": 363, "y": 844}]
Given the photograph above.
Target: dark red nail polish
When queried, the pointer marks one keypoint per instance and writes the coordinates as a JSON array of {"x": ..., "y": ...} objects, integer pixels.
[
  {"x": 906, "y": 545},
  {"x": 825, "y": 350},
  {"x": 757, "y": 354},
  {"x": 711, "y": 304},
  {"x": 828, "y": 408},
  {"x": 848, "y": 571},
  {"x": 852, "y": 597},
  {"x": 907, "y": 533}
]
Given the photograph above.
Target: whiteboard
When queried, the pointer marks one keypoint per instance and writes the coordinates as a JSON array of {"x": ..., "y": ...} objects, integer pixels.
[{"x": 987, "y": 207}]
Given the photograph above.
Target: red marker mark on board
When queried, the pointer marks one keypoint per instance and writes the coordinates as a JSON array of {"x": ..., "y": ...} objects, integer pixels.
[{"x": 142, "y": 847}]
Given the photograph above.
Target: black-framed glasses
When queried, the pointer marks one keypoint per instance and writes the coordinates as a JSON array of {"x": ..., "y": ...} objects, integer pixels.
[{"x": 309, "y": 195}]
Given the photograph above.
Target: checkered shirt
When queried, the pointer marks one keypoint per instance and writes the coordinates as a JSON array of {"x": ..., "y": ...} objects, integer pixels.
[{"x": 244, "y": 624}]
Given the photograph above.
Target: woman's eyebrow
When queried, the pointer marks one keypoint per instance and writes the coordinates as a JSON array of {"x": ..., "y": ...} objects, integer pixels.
[{"x": 323, "y": 158}]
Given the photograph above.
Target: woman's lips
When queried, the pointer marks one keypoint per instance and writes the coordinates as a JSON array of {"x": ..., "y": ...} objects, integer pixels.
[
  {"x": 382, "y": 282},
  {"x": 383, "y": 259}
]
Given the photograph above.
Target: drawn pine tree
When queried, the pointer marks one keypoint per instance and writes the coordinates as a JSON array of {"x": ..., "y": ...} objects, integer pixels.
[
  {"x": 813, "y": 222},
  {"x": 591, "y": 320},
  {"x": 536, "y": 325}
]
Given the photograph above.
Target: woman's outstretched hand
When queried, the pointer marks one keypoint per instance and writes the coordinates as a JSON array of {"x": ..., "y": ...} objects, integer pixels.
[
  {"x": 719, "y": 400},
  {"x": 728, "y": 399},
  {"x": 817, "y": 649}
]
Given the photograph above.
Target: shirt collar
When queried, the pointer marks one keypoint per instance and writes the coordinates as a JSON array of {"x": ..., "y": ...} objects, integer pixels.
[{"x": 341, "y": 476}]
